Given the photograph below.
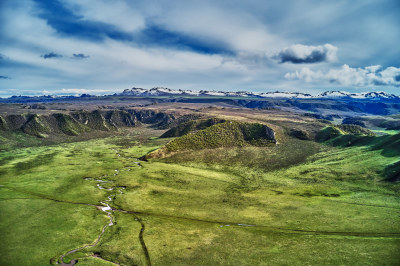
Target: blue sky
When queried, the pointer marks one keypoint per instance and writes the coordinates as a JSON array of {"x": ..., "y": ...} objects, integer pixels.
[{"x": 105, "y": 46}]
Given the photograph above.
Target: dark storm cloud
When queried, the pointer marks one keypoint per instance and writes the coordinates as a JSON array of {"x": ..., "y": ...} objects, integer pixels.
[
  {"x": 80, "y": 56},
  {"x": 66, "y": 22},
  {"x": 314, "y": 57},
  {"x": 156, "y": 35},
  {"x": 51, "y": 55},
  {"x": 302, "y": 54}
]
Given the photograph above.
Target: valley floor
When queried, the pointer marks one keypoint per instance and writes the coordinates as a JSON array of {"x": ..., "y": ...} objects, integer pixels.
[{"x": 293, "y": 204}]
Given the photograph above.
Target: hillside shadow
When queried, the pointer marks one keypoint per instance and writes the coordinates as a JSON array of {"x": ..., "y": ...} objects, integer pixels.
[
  {"x": 39, "y": 160},
  {"x": 392, "y": 172}
]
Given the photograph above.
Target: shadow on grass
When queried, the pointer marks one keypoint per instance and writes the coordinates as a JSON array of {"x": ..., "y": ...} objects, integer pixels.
[
  {"x": 39, "y": 160},
  {"x": 392, "y": 172}
]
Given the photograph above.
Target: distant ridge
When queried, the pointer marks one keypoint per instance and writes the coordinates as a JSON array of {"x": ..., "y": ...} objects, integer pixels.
[{"x": 160, "y": 91}]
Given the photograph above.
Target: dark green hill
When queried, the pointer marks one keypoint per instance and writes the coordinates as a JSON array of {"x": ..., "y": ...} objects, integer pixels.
[
  {"x": 329, "y": 133},
  {"x": 226, "y": 134},
  {"x": 356, "y": 130}
]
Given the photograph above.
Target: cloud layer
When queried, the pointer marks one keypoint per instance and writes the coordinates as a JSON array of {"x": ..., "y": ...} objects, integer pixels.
[{"x": 232, "y": 45}]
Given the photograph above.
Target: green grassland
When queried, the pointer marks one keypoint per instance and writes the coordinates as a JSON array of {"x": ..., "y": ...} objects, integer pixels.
[{"x": 298, "y": 202}]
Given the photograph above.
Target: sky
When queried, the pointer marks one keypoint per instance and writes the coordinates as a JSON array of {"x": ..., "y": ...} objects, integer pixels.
[{"x": 105, "y": 46}]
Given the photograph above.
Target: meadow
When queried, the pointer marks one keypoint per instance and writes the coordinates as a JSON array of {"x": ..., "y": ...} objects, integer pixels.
[{"x": 295, "y": 203}]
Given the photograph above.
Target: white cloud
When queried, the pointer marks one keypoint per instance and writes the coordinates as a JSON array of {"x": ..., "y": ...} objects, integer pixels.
[
  {"x": 74, "y": 91},
  {"x": 237, "y": 29},
  {"x": 348, "y": 76},
  {"x": 253, "y": 31}
]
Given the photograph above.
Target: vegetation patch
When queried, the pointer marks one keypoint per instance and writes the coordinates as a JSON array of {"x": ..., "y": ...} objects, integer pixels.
[
  {"x": 328, "y": 133},
  {"x": 191, "y": 126}
]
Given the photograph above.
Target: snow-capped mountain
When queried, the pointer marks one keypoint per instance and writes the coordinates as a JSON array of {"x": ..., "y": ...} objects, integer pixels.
[
  {"x": 361, "y": 95},
  {"x": 160, "y": 91}
]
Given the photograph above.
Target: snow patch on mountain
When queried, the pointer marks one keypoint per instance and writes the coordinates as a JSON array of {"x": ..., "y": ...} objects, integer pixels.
[{"x": 161, "y": 91}]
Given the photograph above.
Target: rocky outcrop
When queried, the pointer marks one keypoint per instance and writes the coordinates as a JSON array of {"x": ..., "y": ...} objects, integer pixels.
[
  {"x": 157, "y": 119},
  {"x": 3, "y": 124},
  {"x": 15, "y": 121},
  {"x": 120, "y": 119},
  {"x": 269, "y": 134}
]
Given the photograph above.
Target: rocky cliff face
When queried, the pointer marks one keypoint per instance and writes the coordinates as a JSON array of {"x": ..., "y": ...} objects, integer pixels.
[{"x": 269, "y": 133}]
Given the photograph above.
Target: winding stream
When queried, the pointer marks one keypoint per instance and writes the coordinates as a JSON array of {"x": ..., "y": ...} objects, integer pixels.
[{"x": 108, "y": 210}]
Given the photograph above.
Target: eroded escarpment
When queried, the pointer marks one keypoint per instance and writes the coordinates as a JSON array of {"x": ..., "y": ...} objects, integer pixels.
[{"x": 78, "y": 122}]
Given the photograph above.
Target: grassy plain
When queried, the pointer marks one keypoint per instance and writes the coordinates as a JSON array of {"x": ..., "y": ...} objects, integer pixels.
[{"x": 296, "y": 203}]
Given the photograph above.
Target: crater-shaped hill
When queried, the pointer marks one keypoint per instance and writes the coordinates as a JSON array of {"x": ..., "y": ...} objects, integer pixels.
[{"x": 223, "y": 134}]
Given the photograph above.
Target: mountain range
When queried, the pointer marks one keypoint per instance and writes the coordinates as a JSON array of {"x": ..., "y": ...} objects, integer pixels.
[
  {"x": 166, "y": 92},
  {"x": 160, "y": 91}
]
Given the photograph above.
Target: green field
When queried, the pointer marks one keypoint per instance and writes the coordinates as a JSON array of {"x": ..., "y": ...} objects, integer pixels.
[{"x": 298, "y": 202}]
